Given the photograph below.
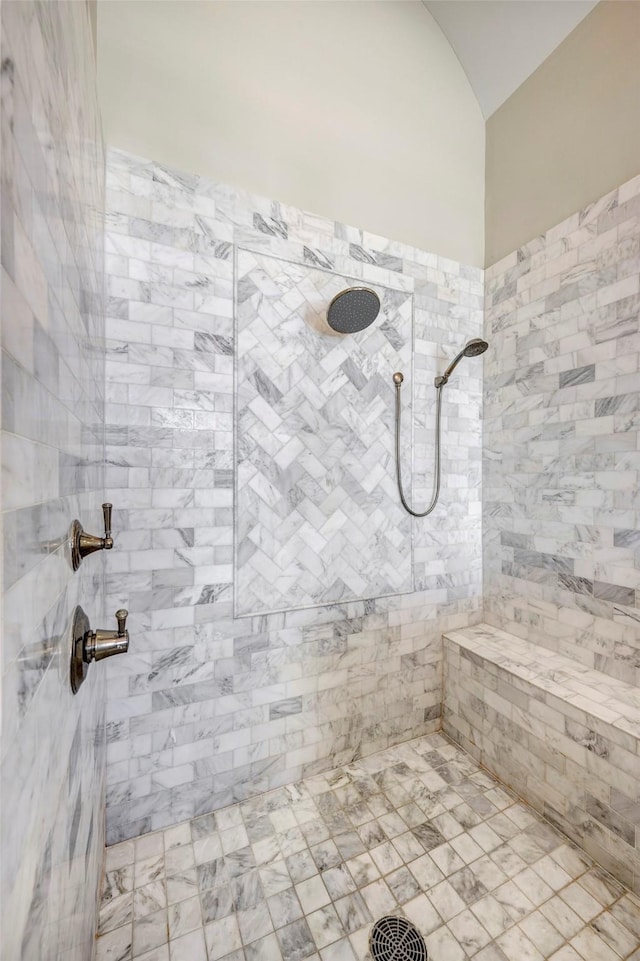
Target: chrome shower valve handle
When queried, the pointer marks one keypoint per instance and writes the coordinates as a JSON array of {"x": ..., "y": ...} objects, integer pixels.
[
  {"x": 83, "y": 544},
  {"x": 88, "y": 645},
  {"x": 99, "y": 644}
]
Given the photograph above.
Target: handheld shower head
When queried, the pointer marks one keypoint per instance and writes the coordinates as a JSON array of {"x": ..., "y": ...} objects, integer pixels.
[
  {"x": 475, "y": 347},
  {"x": 471, "y": 349}
]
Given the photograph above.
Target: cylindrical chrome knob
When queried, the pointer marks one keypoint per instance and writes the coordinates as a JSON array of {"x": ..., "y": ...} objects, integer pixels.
[
  {"x": 106, "y": 513},
  {"x": 121, "y": 617}
]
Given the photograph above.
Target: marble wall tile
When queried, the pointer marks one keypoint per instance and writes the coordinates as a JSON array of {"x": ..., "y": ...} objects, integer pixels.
[
  {"x": 318, "y": 518},
  {"x": 561, "y": 450},
  {"x": 564, "y": 736},
  {"x": 209, "y": 707},
  {"x": 52, "y": 314}
]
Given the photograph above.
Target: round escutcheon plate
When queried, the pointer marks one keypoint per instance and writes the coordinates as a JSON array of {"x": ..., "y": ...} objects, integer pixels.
[{"x": 79, "y": 667}]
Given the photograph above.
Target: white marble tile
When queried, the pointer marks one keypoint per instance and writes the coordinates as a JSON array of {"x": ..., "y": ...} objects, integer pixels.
[
  {"x": 189, "y": 947},
  {"x": 325, "y": 926},
  {"x": 52, "y": 470},
  {"x": 171, "y": 468},
  {"x": 184, "y": 916},
  {"x": 312, "y": 894},
  {"x": 115, "y": 945},
  {"x": 222, "y": 937},
  {"x": 240, "y": 909},
  {"x": 149, "y": 932}
]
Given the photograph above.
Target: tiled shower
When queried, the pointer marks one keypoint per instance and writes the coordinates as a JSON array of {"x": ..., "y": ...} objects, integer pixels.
[
  {"x": 313, "y": 636},
  {"x": 278, "y": 759}
]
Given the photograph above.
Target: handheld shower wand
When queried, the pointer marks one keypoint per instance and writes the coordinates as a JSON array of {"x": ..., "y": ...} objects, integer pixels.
[{"x": 471, "y": 349}]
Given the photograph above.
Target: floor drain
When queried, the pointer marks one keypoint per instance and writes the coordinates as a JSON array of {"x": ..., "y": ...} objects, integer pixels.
[{"x": 395, "y": 939}]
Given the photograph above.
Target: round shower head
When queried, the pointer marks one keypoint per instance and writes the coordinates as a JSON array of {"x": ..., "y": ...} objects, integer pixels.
[
  {"x": 353, "y": 309},
  {"x": 475, "y": 347}
]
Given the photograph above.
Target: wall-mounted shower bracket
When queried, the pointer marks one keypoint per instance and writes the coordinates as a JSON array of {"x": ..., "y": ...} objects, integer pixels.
[
  {"x": 83, "y": 544},
  {"x": 88, "y": 645}
]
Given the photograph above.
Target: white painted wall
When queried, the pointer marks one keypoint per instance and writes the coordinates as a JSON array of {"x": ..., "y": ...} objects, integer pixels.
[
  {"x": 359, "y": 112},
  {"x": 501, "y": 44}
]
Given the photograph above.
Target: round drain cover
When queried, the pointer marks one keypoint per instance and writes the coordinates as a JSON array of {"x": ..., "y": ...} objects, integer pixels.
[{"x": 396, "y": 939}]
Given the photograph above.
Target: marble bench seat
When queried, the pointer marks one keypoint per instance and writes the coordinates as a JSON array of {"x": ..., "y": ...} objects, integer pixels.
[{"x": 563, "y": 736}]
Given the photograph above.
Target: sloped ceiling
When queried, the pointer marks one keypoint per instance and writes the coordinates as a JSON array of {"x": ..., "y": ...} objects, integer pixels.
[{"x": 501, "y": 42}]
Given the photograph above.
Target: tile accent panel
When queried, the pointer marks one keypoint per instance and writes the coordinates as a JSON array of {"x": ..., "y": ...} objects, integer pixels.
[
  {"x": 52, "y": 338},
  {"x": 209, "y": 708},
  {"x": 318, "y": 514},
  {"x": 561, "y": 448},
  {"x": 562, "y": 735}
]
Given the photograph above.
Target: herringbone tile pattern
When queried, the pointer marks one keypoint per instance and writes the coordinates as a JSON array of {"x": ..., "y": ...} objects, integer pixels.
[{"x": 319, "y": 518}]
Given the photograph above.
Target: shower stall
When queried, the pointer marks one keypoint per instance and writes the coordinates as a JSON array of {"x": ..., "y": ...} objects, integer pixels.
[{"x": 345, "y": 726}]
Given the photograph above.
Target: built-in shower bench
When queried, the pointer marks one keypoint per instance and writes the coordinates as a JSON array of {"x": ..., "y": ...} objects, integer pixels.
[{"x": 563, "y": 736}]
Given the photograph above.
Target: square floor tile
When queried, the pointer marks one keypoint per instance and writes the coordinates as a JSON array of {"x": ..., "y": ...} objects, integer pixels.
[
  {"x": 222, "y": 937},
  {"x": 402, "y": 885},
  {"x": 296, "y": 941},
  {"x": 353, "y": 912},
  {"x": 312, "y": 894},
  {"x": 263, "y": 863},
  {"x": 284, "y": 908},
  {"x": 189, "y": 947},
  {"x": 469, "y": 933},
  {"x": 325, "y": 926}
]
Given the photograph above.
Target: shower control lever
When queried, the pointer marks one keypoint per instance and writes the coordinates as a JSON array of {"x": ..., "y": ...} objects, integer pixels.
[
  {"x": 100, "y": 644},
  {"x": 88, "y": 645},
  {"x": 83, "y": 544}
]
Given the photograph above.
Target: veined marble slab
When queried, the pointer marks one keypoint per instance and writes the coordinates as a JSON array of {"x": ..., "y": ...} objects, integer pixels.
[{"x": 318, "y": 514}]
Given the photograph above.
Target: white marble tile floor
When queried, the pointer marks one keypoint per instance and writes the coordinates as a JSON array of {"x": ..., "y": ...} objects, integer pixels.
[{"x": 418, "y": 830}]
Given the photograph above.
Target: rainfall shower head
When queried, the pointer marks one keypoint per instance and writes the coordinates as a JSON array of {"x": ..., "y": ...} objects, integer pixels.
[
  {"x": 353, "y": 309},
  {"x": 471, "y": 349}
]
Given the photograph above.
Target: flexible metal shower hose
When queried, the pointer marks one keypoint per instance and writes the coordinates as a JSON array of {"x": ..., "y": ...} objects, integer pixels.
[{"x": 436, "y": 479}]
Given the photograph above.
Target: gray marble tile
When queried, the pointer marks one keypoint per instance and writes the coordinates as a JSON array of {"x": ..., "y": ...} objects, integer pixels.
[
  {"x": 403, "y": 885},
  {"x": 284, "y": 908},
  {"x": 296, "y": 941},
  {"x": 148, "y": 899},
  {"x": 353, "y": 912},
  {"x": 338, "y": 881},
  {"x": 216, "y": 903},
  {"x": 116, "y": 912}
]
